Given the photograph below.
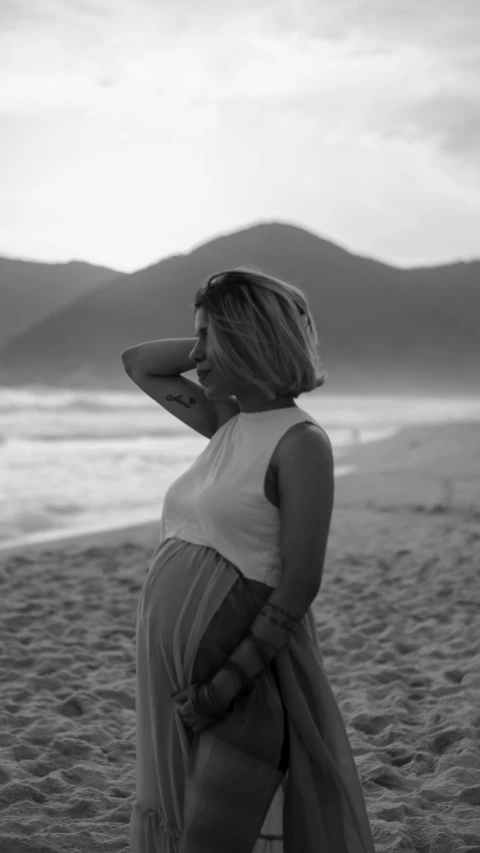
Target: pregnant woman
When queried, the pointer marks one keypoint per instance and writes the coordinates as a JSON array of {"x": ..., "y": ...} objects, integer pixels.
[{"x": 241, "y": 746}]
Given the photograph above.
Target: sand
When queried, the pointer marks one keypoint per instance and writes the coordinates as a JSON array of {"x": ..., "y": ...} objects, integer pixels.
[{"x": 398, "y": 620}]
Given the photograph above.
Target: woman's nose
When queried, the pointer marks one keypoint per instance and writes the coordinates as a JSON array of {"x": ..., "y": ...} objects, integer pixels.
[{"x": 196, "y": 354}]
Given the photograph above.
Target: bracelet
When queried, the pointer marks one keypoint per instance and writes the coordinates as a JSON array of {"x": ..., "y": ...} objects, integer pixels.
[
  {"x": 213, "y": 702},
  {"x": 204, "y": 701}
]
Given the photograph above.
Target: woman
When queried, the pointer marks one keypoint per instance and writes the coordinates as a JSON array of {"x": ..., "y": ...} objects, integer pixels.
[{"x": 241, "y": 747}]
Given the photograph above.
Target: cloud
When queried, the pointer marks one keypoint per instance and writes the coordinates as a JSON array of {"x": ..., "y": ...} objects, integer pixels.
[
  {"x": 439, "y": 101},
  {"x": 453, "y": 121},
  {"x": 391, "y": 68}
]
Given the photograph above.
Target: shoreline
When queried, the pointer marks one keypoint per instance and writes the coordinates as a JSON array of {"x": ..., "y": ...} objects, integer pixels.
[
  {"x": 390, "y": 465},
  {"x": 49, "y": 535},
  {"x": 89, "y": 535},
  {"x": 48, "y": 538}
]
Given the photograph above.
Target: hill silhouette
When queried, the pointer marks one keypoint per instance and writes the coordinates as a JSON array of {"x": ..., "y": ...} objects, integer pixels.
[
  {"x": 382, "y": 329},
  {"x": 30, "y": 290}
]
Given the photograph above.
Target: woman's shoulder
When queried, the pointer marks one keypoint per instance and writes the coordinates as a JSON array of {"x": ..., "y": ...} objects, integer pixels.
[{"x": 295, "y": 436}]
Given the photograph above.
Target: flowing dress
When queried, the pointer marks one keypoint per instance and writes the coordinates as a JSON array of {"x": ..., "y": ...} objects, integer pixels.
[{"x": 277, "y": 774}]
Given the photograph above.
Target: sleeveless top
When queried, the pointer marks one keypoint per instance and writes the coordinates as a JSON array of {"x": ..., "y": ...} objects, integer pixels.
[{"x": 219, "y": 500}]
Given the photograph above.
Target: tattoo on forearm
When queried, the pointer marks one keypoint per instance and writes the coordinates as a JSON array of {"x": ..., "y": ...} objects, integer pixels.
[
  {"x": 279, "y": 617},
  {"x": 178, "y": 399}
]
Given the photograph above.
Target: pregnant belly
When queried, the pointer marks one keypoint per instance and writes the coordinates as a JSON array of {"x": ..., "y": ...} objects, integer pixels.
[{"x": 194, "y": 601}]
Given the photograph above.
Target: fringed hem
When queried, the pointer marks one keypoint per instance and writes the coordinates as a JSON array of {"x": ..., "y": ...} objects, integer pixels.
[{"x": 150, "y": 833}]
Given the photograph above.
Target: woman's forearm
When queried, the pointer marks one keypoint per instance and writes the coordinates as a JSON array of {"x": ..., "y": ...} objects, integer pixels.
[
  {"x": 280, "y": 614},
  {"x": 168, "y": 357}
]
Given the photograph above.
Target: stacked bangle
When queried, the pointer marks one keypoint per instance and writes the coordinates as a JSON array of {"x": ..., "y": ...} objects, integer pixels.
[
  {"x": 247, "y": 681},
  {"x": 213, "y": 702}
]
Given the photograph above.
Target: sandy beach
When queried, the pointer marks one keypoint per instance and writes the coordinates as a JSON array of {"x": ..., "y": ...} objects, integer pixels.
[{"x": 398, "y": 622}]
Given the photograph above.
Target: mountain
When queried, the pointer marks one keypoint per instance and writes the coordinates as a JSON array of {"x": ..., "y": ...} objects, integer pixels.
[
  {"x": 30, "y": 290},
  {"x": 382, "y": 329}
]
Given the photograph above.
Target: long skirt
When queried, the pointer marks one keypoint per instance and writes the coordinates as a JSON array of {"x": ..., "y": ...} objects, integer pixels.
[{"x": 276, "y": 774}]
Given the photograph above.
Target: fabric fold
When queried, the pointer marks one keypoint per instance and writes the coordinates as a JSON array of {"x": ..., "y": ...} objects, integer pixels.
[{"x": 194, "y": 610}]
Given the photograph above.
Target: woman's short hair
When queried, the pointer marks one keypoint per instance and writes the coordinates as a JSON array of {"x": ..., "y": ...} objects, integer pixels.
[{"x": 261, "y": 331}]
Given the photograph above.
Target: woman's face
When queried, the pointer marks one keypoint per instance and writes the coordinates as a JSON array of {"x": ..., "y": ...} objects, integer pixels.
[{"x": 215, "y": 384}]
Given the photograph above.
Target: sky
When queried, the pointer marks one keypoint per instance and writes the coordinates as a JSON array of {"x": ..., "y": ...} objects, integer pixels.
[{"x": 131, "y": 130}]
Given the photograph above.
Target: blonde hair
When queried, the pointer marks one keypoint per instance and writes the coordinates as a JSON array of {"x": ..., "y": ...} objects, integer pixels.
[{"x": 261, "y": 331}]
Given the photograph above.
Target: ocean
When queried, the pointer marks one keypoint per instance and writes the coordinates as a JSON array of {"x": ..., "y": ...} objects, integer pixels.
[{"x": 81, "y": 461}]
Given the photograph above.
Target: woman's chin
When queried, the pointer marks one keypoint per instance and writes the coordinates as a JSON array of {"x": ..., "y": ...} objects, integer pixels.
[{"x": 217, "y": 393}]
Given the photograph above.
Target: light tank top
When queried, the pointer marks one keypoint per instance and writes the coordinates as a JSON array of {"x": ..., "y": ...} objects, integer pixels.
[{"x": 219, "y": 501}]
